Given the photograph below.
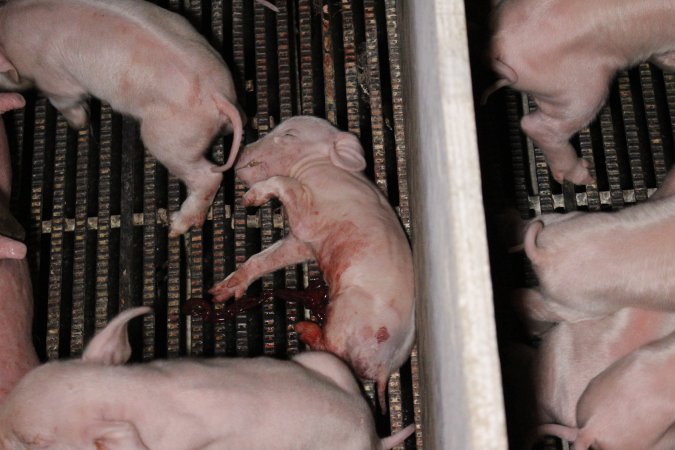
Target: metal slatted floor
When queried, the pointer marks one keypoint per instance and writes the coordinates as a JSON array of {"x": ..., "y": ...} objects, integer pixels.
[
  {"x": 96, "y": 205},
  {"x": 631, "y": 145}
]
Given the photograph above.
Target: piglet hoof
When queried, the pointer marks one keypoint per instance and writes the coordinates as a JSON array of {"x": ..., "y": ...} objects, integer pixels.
[
  {"x": 579, "y": 174},
  {"x": 10, "y": 101},
  {"x": 232, "y": 286},
  {"x": 255, "y": 198},
  {"x": 181, "y": 223},
  {"x": 77, "y": 116}
]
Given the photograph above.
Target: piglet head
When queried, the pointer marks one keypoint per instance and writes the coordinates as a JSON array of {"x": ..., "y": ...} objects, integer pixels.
[{"x": 296, "y": 145}]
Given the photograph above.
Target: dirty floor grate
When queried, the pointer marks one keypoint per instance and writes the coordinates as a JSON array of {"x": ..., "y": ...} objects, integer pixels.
[
  {"x": 96, "y": 205},
  {"x": 631, "y": 145}
]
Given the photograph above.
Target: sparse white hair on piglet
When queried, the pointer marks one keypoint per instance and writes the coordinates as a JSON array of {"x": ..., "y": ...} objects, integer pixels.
[
  {"x": 338, "y": 217},
  {"x": 564, "y": 53},
  {"x": 311, "y": 401},
  {"x": 144, "y": 61},
  {"x": 594, "y": 264},
  {"x": 629, "y": 405}
]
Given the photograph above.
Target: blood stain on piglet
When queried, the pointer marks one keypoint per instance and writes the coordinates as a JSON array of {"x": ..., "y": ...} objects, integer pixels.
[{"x": 382, "y": 335}]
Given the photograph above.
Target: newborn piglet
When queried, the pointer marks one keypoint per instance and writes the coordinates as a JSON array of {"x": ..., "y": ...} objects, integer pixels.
[
  {"x": 630, "y": 405},
  {"x": 339, "y": 218},
  {"x": 590, "y": 265},
  {"x": 144, "y": 61},
  {"x": 564, "y": 53},
  {"x": 570, "y": 355},
  {"x": 309, "y": 402}
]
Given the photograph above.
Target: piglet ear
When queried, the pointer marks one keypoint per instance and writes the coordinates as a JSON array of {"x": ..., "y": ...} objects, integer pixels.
[
  {"x": 111, "y": 346},
  {"x": 347, "y": 153},
  {"x": 7, "y": 69},
  {"x": 11, "y": 249},
  {"x": 115, "y": 435}
]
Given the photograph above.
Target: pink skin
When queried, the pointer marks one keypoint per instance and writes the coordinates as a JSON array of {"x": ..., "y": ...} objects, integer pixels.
[
  {"x": 312, "y": 401},
  {"x": 146, "y": 62},
  {"x": 564, "y": 53},
  {"x": 17, "y": 354},
  {"x": 630, "y": 405},
  {"x": 572, "y": 354},
  {"x": 591, "y": 265},
  {"x": 667, "y": 187},
  {"x": 340, "y": 218}
]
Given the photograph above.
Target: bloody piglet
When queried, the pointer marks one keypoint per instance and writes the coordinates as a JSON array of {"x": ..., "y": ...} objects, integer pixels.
[{"x": 338, "y": 217}]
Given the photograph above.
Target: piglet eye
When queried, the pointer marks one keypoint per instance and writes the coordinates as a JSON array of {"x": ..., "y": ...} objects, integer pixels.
[{"x": 291, "y": 133}]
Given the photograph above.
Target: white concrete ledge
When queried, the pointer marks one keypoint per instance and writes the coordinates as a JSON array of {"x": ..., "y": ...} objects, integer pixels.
[{"x": 459, "y": 369}]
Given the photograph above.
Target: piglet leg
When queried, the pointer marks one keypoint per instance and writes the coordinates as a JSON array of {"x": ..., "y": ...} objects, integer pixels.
[
  {"x": 557, "y": 119},
  {"x": 665, "y": 61},
  {"x": 288, "y": 251},
  {"x": 10, "y": 101},
  {"x": 282, "y": 253},
  {"x": 296, "y": 199},
  {"x": 184, "y": 158},
  {"x": 667, "y": 188},
  {"x": 534, "y": 311},
  {"x": 552, "y": 136},
  {"x": 74, "y": 109},
  {"x": 202, "y": 185},
  {"x": 107, "y": 434}
]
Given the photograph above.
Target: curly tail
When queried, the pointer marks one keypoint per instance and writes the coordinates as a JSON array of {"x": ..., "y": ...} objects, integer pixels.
[{"x": 229, "y": 111}]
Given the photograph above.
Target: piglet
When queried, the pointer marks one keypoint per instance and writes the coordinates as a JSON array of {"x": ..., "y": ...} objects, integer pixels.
[
  {"x": 570, "y": 355},
  {"x": 338, "y": 217},
  {"x": 591, "y": 265},
  {"x": 312, "y": 401},
  {"x": 146, "y": 62},
  {"x": 564, "y": 53},
  {"x": 630, "y": 405},
  {"x": 17, "y": 354}
]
